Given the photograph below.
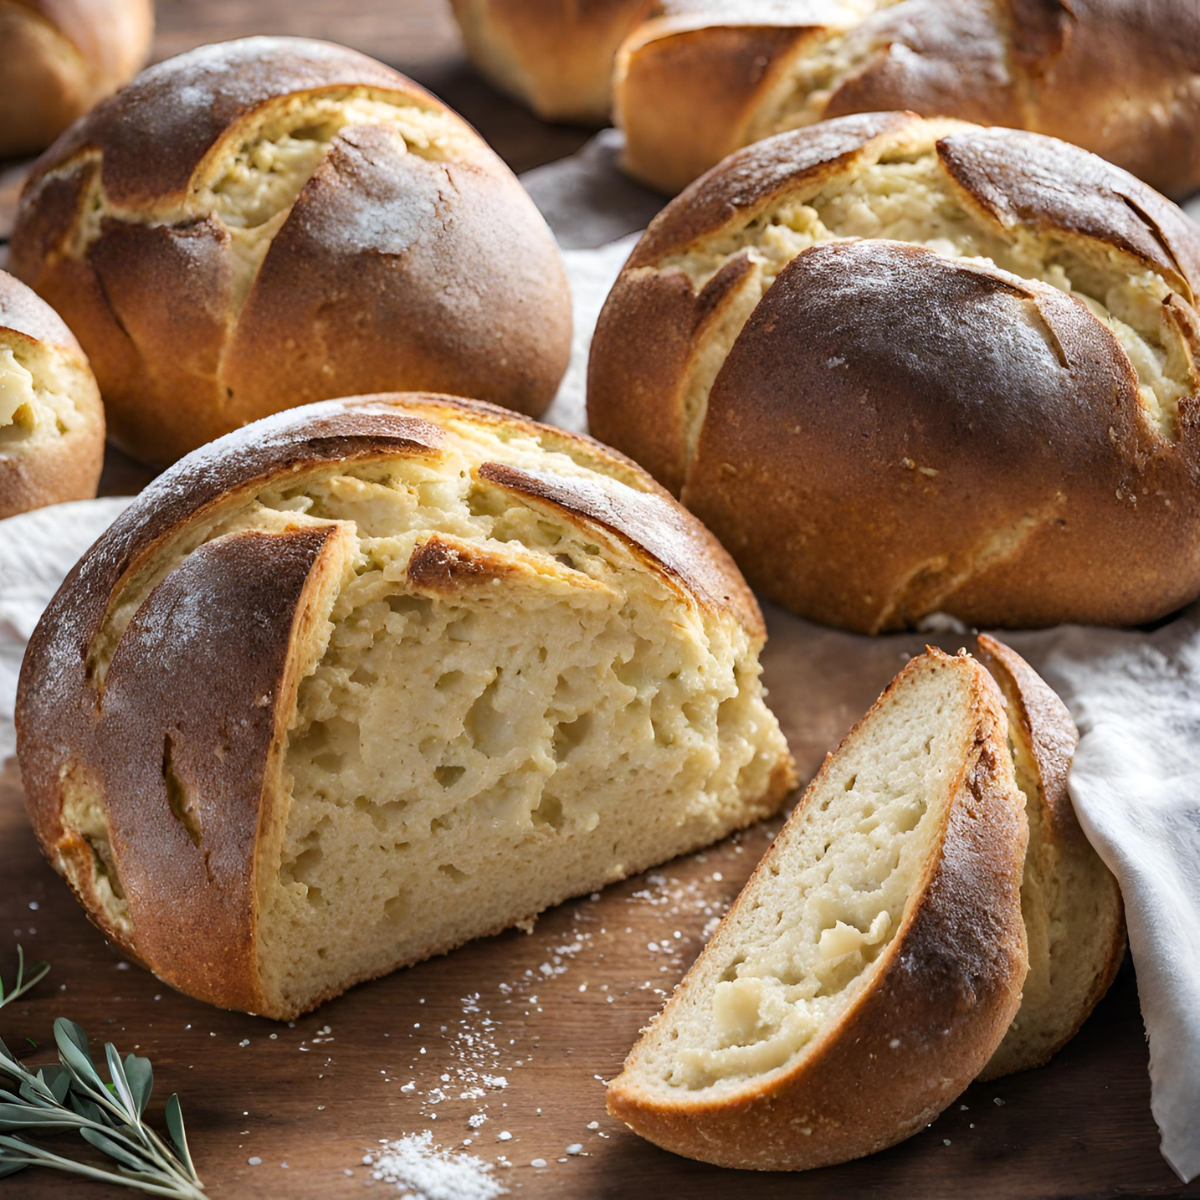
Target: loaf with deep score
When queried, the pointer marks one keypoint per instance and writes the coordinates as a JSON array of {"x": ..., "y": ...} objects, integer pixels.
[
  {"x": 275, "y": 221},
  {"x": 903, "y": 366},
  {"x": 366, "y": 680}
]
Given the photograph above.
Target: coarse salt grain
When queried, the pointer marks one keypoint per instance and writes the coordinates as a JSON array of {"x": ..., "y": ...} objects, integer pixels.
[{"x": 424, "y": 1171}]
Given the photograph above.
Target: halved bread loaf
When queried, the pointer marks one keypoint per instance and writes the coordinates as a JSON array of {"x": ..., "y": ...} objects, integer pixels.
[
  {"x": 1070, "y": 901},
  {"x": 51, "y": 417},
  {"x": 870, "y": 968},
  {"x": 371, "y": 678}
]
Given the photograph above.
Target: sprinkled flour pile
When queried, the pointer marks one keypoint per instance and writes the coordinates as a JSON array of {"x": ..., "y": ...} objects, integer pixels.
[{"x": 423, "y": 1171}]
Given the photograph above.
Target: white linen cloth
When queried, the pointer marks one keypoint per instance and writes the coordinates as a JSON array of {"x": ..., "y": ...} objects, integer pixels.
[{"x": 1135, "y": 695}]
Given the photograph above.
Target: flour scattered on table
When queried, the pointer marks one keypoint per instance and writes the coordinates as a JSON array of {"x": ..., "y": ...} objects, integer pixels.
[{"x": 423, "y": 1171}]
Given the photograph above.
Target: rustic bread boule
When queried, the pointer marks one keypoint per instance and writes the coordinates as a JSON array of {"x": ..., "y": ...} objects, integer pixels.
[
  {"x": 272, "y": 221},
  {"x": 51, "y": 418},
  {"x": 873, "y": 962},
  {"x": 1070, "y": 901},
  {"x": 1118, "y": 77},
  {"x": 902, "y": 366},
  {"x": 58, "y": 57},
  {"x": 367, "y": 680},
  {"x": 554, "y": 55}
]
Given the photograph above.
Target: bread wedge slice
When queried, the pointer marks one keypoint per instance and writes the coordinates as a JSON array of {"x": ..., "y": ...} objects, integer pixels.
[
  {"x": 875, "y": 959},
  {"x": 1070, "y": 901}
]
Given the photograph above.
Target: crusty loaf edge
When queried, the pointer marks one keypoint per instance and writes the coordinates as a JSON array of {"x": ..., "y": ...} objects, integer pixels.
[
  {"x": 59, "y": 57},
  {"x": 461, "y": 289},
  {"x": 690, "y": 89},
  {"x": 66, "y": 467},
  {"x": 1043, "y": 721},
  {"x": 65, "y": 747},
  {"x": 971, "y": 895}
]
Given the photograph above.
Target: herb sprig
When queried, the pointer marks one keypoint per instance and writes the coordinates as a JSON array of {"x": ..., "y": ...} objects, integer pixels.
[
  {"x": 22, "y": 984},
  {"x": 107, "y": 1115}
]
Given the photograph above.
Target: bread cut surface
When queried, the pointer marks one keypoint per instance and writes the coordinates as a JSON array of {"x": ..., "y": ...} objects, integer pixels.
[
  {"x": 872, "y": 964},
  {"x": 866, "y": 320},
  {"x": 1118, "y": 77},
  {"x": 1070, "y": 901},
  {"x": 59, "y": 57},
  {"x": 51, "y": 418},
  {"x": 324, "y": 226},
  {"x": 371, "y": 680}
]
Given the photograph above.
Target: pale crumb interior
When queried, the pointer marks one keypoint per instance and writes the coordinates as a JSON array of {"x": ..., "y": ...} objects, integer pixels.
[
  {"x": 40, "y": 389},
  {"x": 811, "y": 927},
  {"x": 464, "y": 755},
  {"x": 906, "y": 196},
  {"x": 847, "y": 42}
]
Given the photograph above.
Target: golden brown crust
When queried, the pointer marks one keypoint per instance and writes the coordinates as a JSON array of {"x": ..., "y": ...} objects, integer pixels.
[
  {"x": 946, "y": 990},
  {"x": 202, "y": 674},
  {"x": 206, "y": 669},
  {"x": 684, "y": 96},
  {"x": 391, "y": 269},
  {"x": 58, "y": 57},
  {"x": 1041, "y": 720},
  {"x": 555, "y": 55},
  {"x": 894, "y": 432},
  {"x": 66, "y": 466},
  {"x": 653, "y": 526},
  {"x": 1118, "y": 77}
]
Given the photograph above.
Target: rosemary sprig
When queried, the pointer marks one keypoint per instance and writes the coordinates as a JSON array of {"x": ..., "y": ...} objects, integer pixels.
[
  {"x": 37, "y": 972},
  {"x": 106, "y": 1115}
]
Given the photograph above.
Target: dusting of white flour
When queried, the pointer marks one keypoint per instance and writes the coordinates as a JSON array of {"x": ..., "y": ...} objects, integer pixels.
[{"x": 423, "y": 1171}]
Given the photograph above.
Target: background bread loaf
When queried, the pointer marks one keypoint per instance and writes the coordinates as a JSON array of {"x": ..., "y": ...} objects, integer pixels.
[
  {"x": 58, "y": 57},
  {"x": 267, "y": 222},
  {"x": 364, "y": 681},
  {"x": 51, "y": 418},
  {"x": 555, "y": 55},
  {"x": 904, "y": 366},
  {"x": 1118, "y": 77}
]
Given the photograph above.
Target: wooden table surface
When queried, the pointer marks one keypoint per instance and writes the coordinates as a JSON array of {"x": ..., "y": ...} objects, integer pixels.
[{"x": 288, "y": 1110}]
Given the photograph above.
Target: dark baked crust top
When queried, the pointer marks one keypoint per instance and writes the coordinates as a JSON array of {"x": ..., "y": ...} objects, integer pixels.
[{"x": 155, "y": 132}]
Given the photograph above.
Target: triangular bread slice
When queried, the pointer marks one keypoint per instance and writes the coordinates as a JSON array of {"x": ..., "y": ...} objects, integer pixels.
[
  {"x": 872, "y": 964},
  {"x": 1074, "y": 919}
]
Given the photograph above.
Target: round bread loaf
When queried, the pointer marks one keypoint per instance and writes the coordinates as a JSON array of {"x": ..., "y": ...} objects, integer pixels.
[
  {"x": 51, "y": 418},
  {"x": 272, "y": 221},
  {"x": 1119, "y": 77},
  {"x": 902, "y": 366},
  {"x": 366, "y": 680},
  {"x": 554, "y": 55},
  {"x": 58, "y": 57}
]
